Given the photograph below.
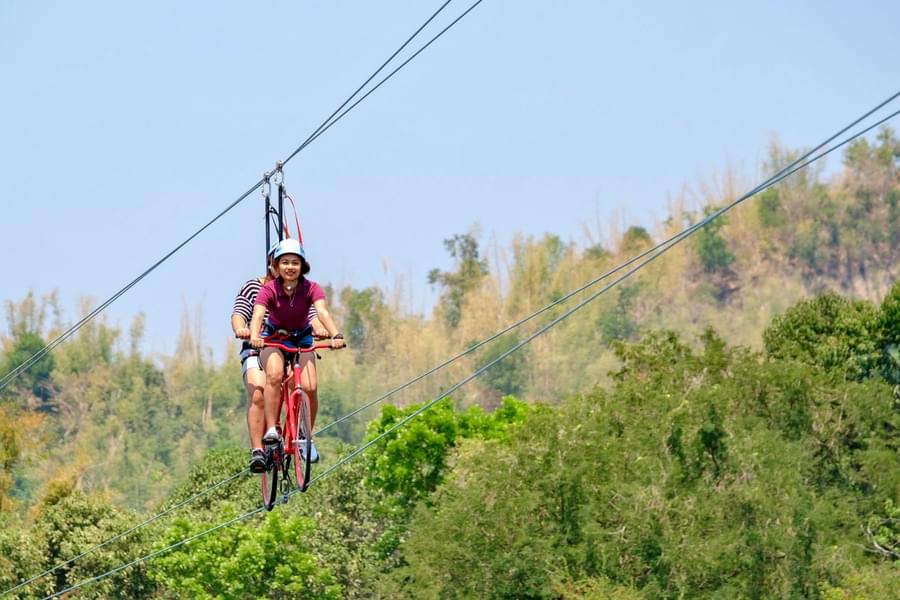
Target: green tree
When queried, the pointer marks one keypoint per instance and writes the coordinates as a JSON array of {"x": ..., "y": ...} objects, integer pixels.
[
  {"x": 70, "y": 522},
  {"x": 670, "y": 484},
  {"x": 711, "y": 248},
  {"x": 365, "y": 311},
  {"x": 37, "y": 378},
  {"x": 769, "y": 209},
  {"x": 830, "y": 331},
  {"x": 266, "y": 561},
  {"x": 469, "y": 270},
  {"x": 616, "y": 322},
  {"x": 889, "y": 334},
  {"x": 410, "y": 462},
  {"x": 509, "y": 377}
]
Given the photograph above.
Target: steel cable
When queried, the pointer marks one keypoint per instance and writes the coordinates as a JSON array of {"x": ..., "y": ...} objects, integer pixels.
[
  {"x": 324, "y": 126},
  {"x": 673, "y": 241}
]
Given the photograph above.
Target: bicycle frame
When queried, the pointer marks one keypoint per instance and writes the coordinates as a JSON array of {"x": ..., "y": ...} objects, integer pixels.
[{"x": 295, "y": 422}]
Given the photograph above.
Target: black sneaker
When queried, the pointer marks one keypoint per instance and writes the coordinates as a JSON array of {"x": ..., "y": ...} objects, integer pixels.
[{"x": 257, "y": 460}]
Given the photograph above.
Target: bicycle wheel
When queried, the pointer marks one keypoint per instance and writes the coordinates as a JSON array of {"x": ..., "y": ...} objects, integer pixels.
[
  {"x": 301, "y": 444},
  {"x": 269, "y": 480}
]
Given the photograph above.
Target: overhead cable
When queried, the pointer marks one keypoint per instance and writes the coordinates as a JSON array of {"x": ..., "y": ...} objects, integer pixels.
[
  {"x": 660, "y": 250},
  {"x": 324, "y": 126},
  {"x": 777, "y": 177},
  {"x": 128, "y": 532}
]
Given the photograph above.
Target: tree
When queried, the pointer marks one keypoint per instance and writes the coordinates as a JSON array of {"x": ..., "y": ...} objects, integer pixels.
[
  {"x": 16, "y": 428},
  {"x": 616, "y": 322},
  {"x": 830, "y": 331},
  {"x": 635, "y": 240},
  {"x": 364, "y": 314},
  {"x": 672, "y": 483},
  {"x": 509, "y": 377},
  {"x": 270, "y": 560},
  {"x": 70, "y": 522},
  {"x": 711, "y": 247},
  {"x": 410, "y": 462},
  {"x": 36, "y": 379},
  {"x": 468, "y": 273},
  {"x": 533, "y": 277}
]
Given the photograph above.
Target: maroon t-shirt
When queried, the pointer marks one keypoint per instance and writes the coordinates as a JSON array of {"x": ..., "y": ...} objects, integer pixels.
[{"x": 286, "y": 311}]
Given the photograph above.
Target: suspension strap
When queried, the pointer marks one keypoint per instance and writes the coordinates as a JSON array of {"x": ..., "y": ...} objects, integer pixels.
[
  {"x": 266, "y": 190},
  {"x": 296, "y": 218},
  {"x": 282, "y": 232}
]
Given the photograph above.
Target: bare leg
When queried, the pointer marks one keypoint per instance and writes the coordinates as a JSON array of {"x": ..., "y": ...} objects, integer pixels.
[
  {"x": 272, "y": 394},
  {"x": 309, "y": 383},
  {"x": 254, "y": 381}
]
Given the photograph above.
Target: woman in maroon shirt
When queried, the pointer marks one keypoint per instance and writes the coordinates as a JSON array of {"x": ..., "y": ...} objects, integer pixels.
[{"x": 288, "y": 298}]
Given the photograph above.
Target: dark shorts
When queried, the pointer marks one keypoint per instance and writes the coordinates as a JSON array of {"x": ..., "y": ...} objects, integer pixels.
[{"x": 288, "y": 343}]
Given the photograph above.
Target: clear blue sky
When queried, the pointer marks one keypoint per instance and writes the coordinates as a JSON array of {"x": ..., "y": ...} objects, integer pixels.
[{"x": 125, "y": 126}]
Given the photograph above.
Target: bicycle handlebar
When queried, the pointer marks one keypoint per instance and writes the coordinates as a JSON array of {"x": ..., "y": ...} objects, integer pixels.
[{"x": 317, "y": 346}]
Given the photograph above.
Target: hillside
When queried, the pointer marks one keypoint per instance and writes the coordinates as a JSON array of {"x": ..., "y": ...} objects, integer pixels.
[{"x": 701, "y": 431}]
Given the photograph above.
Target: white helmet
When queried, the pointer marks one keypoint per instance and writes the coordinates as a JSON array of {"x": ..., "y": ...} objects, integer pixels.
[{"x": 289, "y": 246}]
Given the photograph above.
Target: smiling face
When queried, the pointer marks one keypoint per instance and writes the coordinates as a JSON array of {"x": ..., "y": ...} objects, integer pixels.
[{"x": 289, "y": 266}]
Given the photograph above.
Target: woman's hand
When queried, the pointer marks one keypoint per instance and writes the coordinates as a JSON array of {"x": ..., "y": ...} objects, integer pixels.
[
  {"x": 242, "y": 333},
  {"x": 257, "y": 342},
  {"x": 319, "y": 331}
]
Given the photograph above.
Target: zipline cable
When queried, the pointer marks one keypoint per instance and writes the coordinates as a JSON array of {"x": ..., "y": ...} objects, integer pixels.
[
  {"x": 674, "y": 241},
  {"x": 7, "y": 379},
  {"x": 119, "y": 536},
  {"x": 327, "y": 124},
  {"x": 688, "y": 231},
  {"x": 314, "y": 137},
  {"x": 320, "y": 129},
  {"x": 156, "y": 553}
]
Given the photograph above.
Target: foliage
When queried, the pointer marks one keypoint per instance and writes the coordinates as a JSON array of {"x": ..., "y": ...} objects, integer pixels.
[
  {"x": 635, "y": 240},
  {"x": 215, "y": 467},
  {"x": 36, "y": 379},
  {"x": 409, "y": 463},
  {"x": 469, "y": 271},
  {"x": 270, "y": 561},
  {"x": 66, "y": 524},
  {"x": 696, "y": 468},
  {"x": 509, "y": 376},
  {"x": 363, "y": 317},
  {"x": 888, "y": 327},
  {"x": 769, "y": 209},
  {"x": 616, "y": 323},
  {"x": 829, "y": 331},
  {"x": 711, "y": 247},
  {"x": 710, "y": 474}
]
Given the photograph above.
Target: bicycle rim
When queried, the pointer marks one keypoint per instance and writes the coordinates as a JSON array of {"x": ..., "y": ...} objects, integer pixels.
[
  {"x": 301, "y": 464},
  {"x": 269, "y": 482}
]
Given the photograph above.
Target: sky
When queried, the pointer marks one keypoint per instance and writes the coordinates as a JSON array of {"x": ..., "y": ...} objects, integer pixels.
[{"x": 124, "y": 127}]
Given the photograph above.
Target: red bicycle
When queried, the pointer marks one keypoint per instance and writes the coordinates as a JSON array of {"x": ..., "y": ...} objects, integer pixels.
[{"x": 296, "y": 430}]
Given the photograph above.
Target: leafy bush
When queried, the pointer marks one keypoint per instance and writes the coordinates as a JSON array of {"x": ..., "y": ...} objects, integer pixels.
[{"x": 830, "y": 331}]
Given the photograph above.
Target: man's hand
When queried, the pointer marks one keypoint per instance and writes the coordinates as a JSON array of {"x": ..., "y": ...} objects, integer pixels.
[{"x": 257, "y": 342}]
